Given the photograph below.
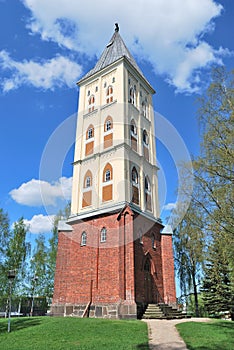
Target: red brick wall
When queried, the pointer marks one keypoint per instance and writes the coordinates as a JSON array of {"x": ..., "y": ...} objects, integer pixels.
[
  {"x": 113, "y": 271},
  {"x": 78, "y": 265},
  {"x": 168, "y": 270},
  {"x": 144, "y": 250}
]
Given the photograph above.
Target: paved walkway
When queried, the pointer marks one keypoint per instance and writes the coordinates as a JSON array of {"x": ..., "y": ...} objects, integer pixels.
[{"x": 164, "y": 336}]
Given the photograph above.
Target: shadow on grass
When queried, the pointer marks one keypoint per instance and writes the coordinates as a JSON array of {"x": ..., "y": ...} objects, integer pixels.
[
  {"x": 142, "y": 346},
  {"x": 225, "y": 324},
  {"x": 20, "y": 323}
]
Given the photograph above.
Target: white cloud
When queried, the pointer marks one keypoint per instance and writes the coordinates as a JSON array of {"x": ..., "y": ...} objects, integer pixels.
[
  {"x": 169, "y": 34},
  {"x": 40, "y": 224},
  {"x": 57, "y": 71},
  {"x": 38, "y": 193},
  {"x": 169, "y": 206}
]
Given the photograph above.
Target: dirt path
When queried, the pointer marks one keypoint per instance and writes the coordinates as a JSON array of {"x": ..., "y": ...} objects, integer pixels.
[{"x": 164, "y": 336}]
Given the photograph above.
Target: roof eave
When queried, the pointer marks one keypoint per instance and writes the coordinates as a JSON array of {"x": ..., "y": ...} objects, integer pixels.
[{"x": 123, "y": 58}]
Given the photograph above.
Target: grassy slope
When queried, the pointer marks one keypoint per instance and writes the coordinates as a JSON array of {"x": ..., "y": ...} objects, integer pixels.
[
  {"x": 47, "y": 333},
  {"x": 215, "y": 335}
]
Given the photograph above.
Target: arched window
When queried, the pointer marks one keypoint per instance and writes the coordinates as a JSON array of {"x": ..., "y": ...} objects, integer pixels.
[
  {"x": 107, "y": 183},
  {"x": 145, "y": 138},
  {"x": 108, "y": 132},
  {"x": 87, "y": 190},
  {"x": 108, "y": 125},
  {"x": 109, "y": 94},
  {"x": 90, "y": 132},
  {"x": 133, "y": 135},
  {"x": 134, "y": 177},
  {"x": 145, "y": 144},
  {"x": 133, "y": 128},
  {"x": 88, "y": 179},
  {"x": 107, "y": 173},
  {"x": 91, "y": 103},
  {"x": 144, "y": 109},
  {"x": 132, "y": 95},
  {"x": 103, "y": 235},
  {"x": 83, "y": 239},
  {"x": 147, "y": 184},
  {"x": 89, "y": 140},
  {"x": 135, "y": 186},
  {"x": 147, "y": 194}
]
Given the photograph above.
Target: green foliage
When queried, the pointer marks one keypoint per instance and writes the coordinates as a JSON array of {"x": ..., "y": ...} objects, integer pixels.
[
  {"x": 189, "y": 253},
  {"x": 210, "y": 216},
  {"x": 217, "y": 289},
  {"x": 214, "y": 172},
  {"x": 37, "y": 278},
  {"x": 192, "y": 307},
  {"x": 213, "y": 335},
  {"x": 53, "y": 245},
  {"x": 52, "y": 333},
  {"x": 43, "y": 261},
  {"x": 5, "y": 236},
  {"x": 214, "y": 168},
  {"x": 15, "y": 250}
]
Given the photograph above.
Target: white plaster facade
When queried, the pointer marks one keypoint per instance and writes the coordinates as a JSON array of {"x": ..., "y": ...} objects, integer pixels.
[{"x": 121, "y": 75}]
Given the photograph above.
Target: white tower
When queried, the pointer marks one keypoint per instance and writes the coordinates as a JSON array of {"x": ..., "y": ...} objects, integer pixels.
[{"x": 115, "y": 155}]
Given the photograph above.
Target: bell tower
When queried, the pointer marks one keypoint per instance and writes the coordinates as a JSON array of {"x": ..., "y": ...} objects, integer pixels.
[
  {"x": 110, "y": 251},
  {"x": 115, "y": 156}
]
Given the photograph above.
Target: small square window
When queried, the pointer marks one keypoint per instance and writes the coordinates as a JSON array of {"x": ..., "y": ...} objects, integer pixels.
[
  {"x": 103, "y": 235},
  {"x": 113, "y": 80},
  {"x": 105, "y": 85},
  {"x": 96, "y": 89},
  {"x": 88, "y": 93},
  {"x": 83, "y": 239}
]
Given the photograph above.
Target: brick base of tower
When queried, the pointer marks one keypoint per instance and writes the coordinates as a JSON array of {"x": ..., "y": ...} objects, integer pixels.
[{"x": 116, "y": 278}]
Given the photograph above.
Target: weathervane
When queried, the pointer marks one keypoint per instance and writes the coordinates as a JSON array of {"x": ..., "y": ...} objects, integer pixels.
[{"x": 116, "y": 27}]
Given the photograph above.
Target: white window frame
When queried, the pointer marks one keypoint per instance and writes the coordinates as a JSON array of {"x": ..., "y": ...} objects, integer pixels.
[
  {"x": 103, "y": 235},
  {"x": 83, "y": 239}
]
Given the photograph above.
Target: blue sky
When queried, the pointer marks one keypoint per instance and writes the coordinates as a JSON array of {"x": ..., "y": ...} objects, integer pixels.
[{"x": 45, "y": 47}]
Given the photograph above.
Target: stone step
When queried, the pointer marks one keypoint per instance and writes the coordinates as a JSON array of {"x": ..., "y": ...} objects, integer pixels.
[
  {"x": 162, "y": 311},
  {"x": 153, "y": 311}
]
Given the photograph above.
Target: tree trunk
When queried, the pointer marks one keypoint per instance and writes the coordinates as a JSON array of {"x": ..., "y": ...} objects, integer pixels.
[{"x": 195, "y": 295}]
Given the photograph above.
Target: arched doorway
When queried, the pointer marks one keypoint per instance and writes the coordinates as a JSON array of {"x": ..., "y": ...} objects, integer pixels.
[{"x": 148, "y": 282}]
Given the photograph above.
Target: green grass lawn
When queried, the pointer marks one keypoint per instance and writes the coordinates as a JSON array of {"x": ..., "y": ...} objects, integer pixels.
[
  {"x": 214, "y": 335},
  {"x": 59, "y": 333}
]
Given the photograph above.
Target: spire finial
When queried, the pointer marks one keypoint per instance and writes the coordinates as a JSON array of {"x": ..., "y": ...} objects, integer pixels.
[{"x": 116, "y": 27}]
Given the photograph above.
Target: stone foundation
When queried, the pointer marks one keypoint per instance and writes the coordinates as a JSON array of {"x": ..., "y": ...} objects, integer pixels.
[{"x": 115, "y": 311}]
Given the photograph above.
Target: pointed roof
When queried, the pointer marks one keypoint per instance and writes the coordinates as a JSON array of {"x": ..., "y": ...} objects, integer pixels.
[{"x": 114, "y": 50}]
